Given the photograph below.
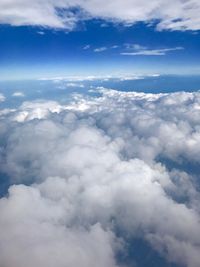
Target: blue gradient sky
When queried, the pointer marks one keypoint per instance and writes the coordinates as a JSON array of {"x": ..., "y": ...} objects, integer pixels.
[{"x": 33, "y": 52}]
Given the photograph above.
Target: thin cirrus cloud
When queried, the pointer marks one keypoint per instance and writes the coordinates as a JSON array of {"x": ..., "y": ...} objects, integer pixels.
[
  {"x": 135, "y": 50},
  {"x": 100, "y": 49},
  {"x": 138, "y": 50},
  {"x": 86, "y": 47},
  {"x": 170, "y": 15}
]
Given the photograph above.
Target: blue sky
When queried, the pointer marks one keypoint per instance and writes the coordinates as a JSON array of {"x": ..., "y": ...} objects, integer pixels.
[{"x": 96, "y": 47}]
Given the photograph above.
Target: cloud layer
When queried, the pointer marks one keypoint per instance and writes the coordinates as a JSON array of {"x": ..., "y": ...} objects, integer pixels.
[
  {"x": 93, "y": 175},
  {"x": 65, "y": 14}
]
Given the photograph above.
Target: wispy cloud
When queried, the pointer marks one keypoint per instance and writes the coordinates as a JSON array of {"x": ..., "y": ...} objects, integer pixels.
[
  {"x": 86, "y": 47},
  {"x": 138, "y": 50},
  {"x": 100, "y": 49},
  {"x": 114, "y": 46},
  {"x": 41, "y": 33}
]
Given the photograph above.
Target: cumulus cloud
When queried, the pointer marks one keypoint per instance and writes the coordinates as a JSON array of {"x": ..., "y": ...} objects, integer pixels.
[
  {"x": 88, "y": 177},
  {"x": 40, "y": 238},
  {"x": 36, "y": 110},
  {"x": 65, "y": 14}
]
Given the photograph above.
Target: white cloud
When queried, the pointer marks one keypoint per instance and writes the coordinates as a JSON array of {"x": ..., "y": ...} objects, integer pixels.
[
  {"x": 76, "y": 85},
  {"x": 18, "y": 94},
  {"x": 6, "y": 111},
  {"x": 96, "y": 164},
  {"x": 86, "y": 47},
  {"x": 41, "y": 32},
  {"x": 100, "y": 49},
  {"x": 36, "y": 110},
  {"x": 40, "y": 236},
  {"x": 76, "y": 79},
  {"x": 2, "y": 97},
  {"x": 137, "y": 50},
  {"x": 114, "y": 46},
  {"x": 172, "y": 15}
]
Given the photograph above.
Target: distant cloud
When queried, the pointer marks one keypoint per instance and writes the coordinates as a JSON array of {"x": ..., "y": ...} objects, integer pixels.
[
  {"x": 76, "y": 85},
  {"x": 86, "y": 47},
  {"x": 2, "y": 97},
  {"x": 100, "y": 49},
  {"x": 74, "y": 80},
  {"x": 41, "y": 33},
  {"x": 114, "y": 46},
  {"x": 18, "y": 94},
  {"x": 138, "y": 50},
  {"x": 171, "y": 15}
]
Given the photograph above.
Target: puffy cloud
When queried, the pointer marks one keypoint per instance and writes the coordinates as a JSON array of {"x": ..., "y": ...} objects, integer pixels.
[
  {"x": 173, "y": 15},
  {"x": 36, "y": 110},
  {"x": 91, "y": 179},
  {"x": 40, "y": 236}
]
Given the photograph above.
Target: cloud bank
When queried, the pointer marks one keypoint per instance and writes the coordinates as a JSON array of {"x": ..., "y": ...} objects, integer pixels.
[
  {"x": 66, "y": 14},
  {"x": 88, "y": 177}
]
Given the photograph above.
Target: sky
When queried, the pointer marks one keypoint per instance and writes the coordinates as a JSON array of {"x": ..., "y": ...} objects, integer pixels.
[{"x": 63, "y": 38}]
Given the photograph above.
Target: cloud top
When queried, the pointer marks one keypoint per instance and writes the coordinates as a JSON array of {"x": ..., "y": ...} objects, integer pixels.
[
  {"x": 89, "y": 177},
  {"x": 65, "y": 14}
]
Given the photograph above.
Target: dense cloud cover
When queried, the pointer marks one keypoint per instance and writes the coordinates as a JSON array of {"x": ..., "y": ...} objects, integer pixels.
[
  {"x": 66, "y": 14},
  {"x": 88, "y": 177}
]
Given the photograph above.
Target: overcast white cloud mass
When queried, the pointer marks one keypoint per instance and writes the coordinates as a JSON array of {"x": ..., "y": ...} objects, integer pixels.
[
  {"x": 94, "y": 174},
  {"x": 65, "y": 14}
]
